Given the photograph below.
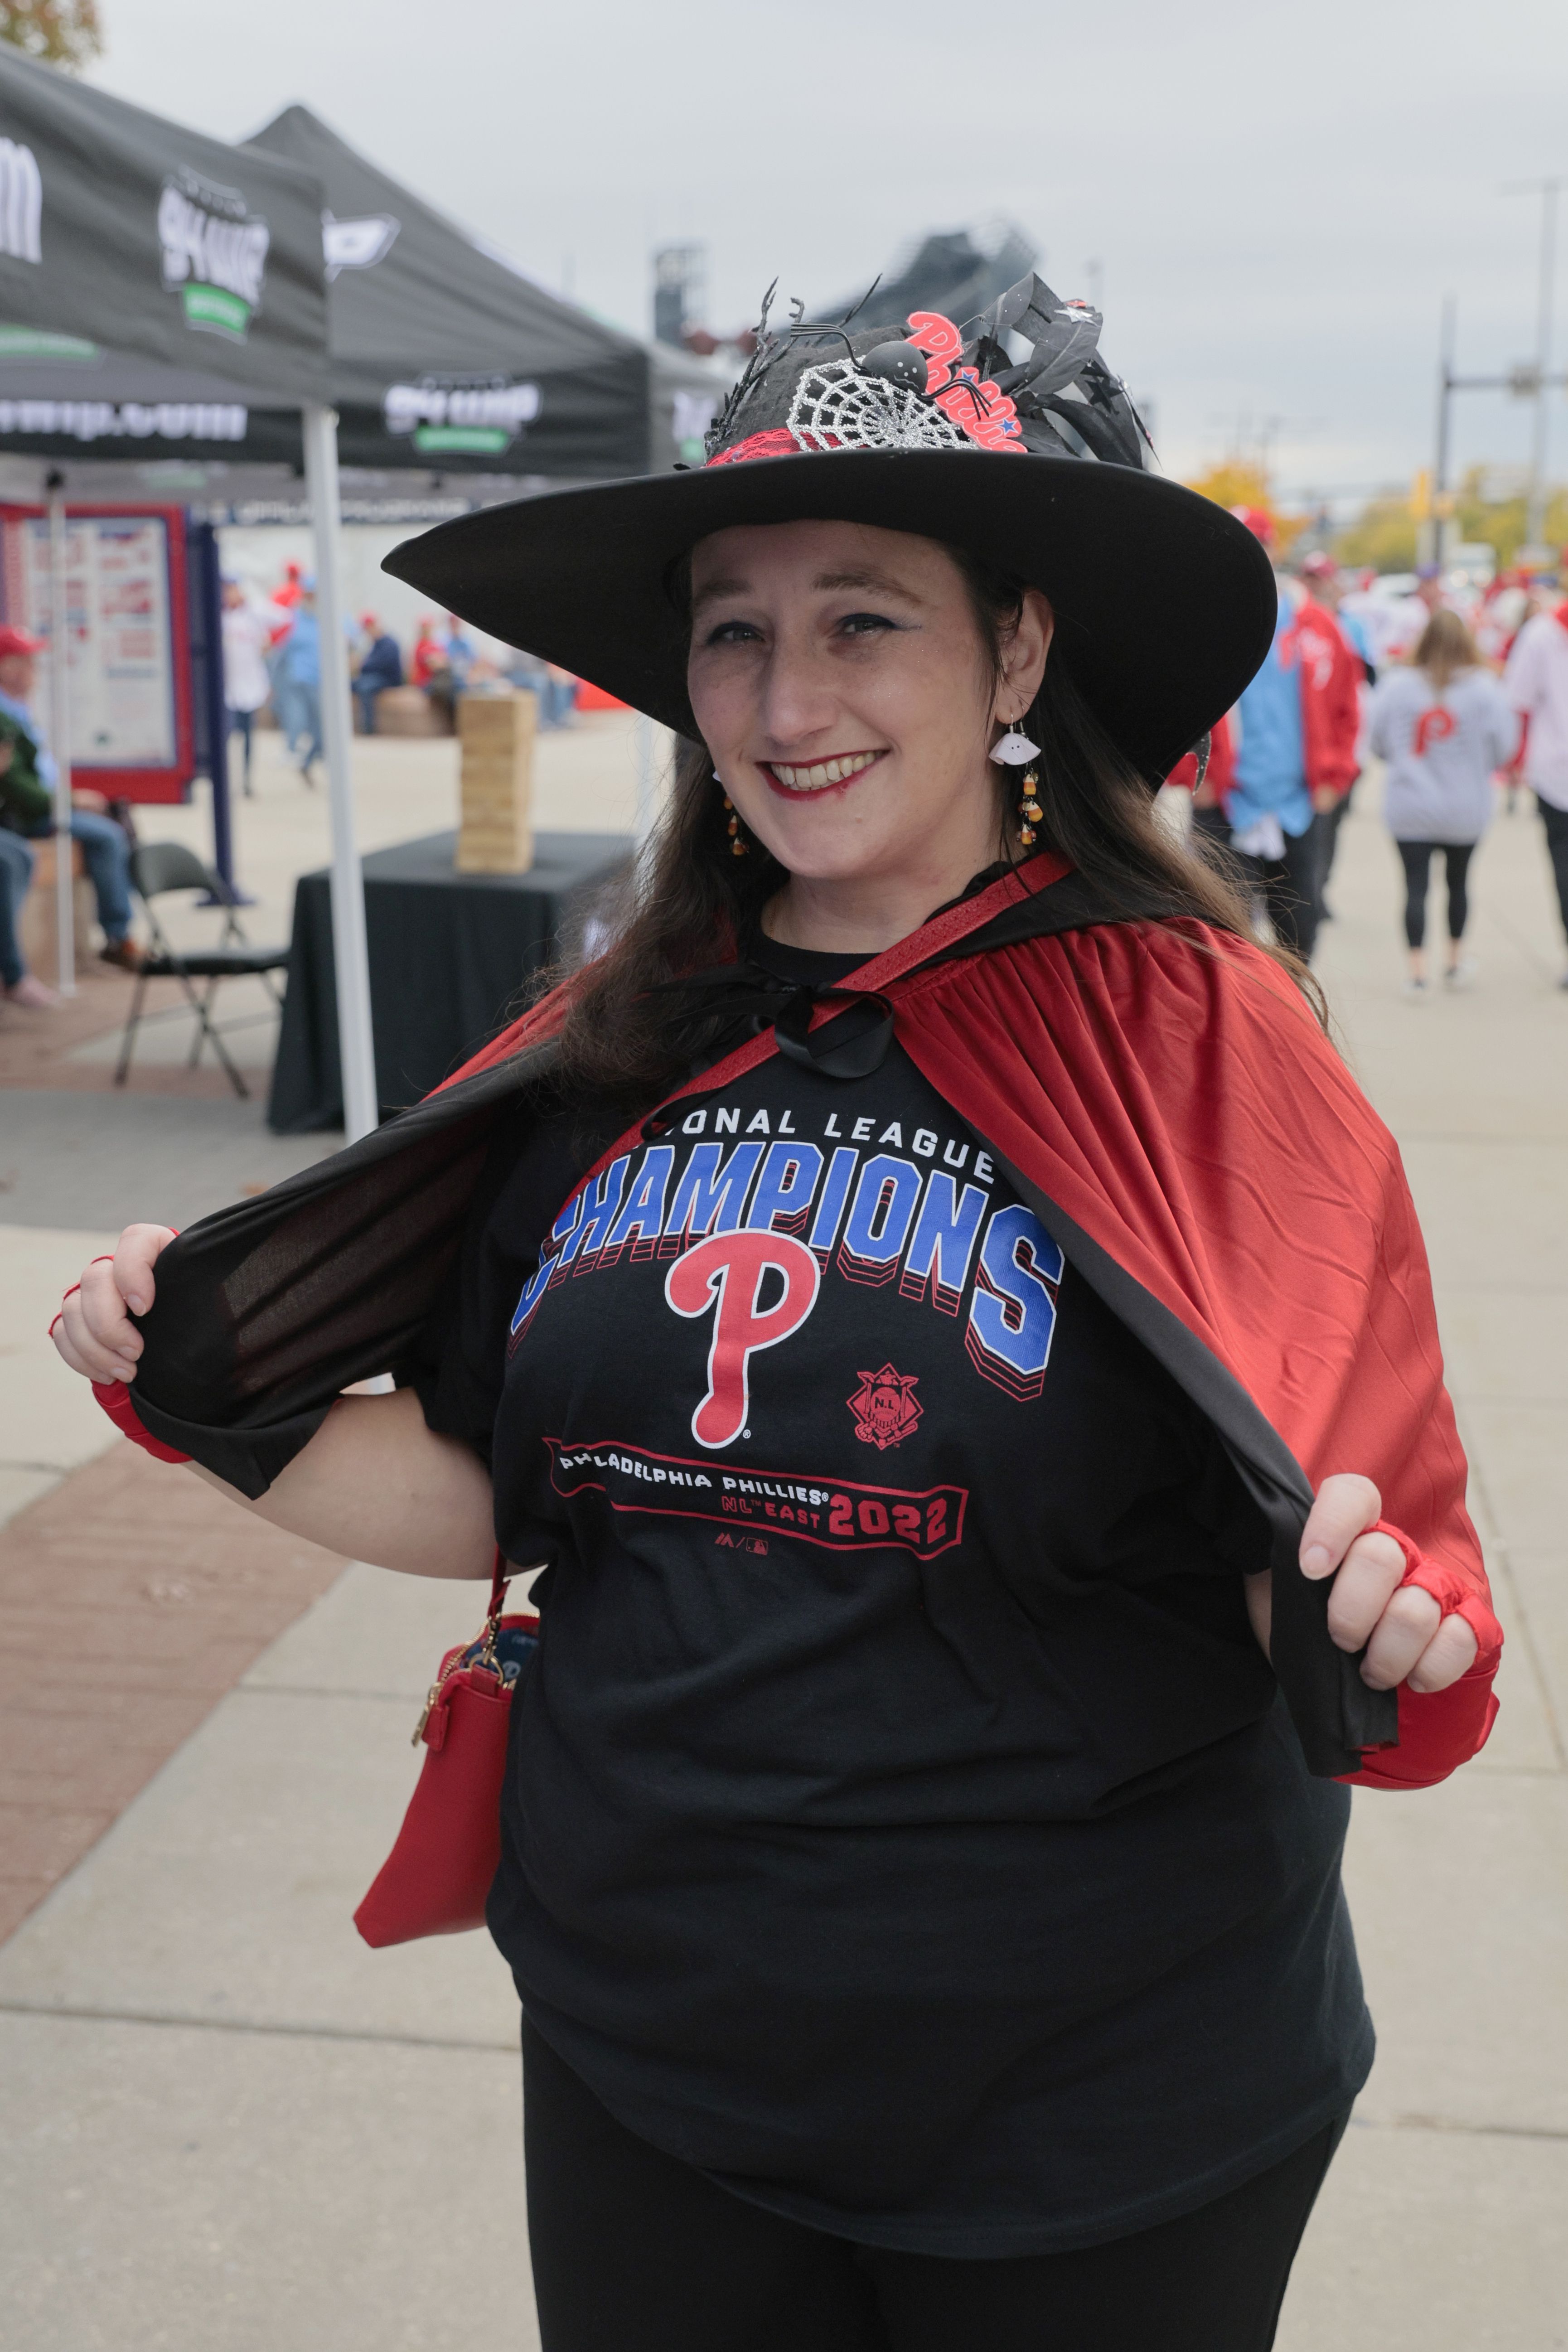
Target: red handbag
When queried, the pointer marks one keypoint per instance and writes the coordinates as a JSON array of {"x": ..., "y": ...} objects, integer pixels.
[{"x": 438, "y": 1875}]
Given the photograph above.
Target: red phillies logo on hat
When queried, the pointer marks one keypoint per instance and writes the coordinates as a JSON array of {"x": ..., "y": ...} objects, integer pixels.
[{"x": 981, "y": 410}]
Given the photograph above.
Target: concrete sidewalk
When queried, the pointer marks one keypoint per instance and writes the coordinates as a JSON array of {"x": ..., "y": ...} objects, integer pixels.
[
  {"x": 1445, "y": 2222},
  {"x": 231, "y": 2127}
]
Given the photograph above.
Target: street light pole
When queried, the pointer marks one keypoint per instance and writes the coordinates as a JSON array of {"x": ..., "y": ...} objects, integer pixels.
[
  {"x": 1440, "y": 455},
  {"x": 1535, "y": 524}
]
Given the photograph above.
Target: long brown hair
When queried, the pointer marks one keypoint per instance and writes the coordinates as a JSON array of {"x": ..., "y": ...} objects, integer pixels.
[
  {"x": 693, "y": 901},
  {"x": 1445, "y": 648}
]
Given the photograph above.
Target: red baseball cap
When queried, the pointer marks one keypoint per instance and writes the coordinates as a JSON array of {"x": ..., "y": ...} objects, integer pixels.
[
  {"x": 1319, "y": 566},
  {"x": 1258, "y": 521},
  {"x": 17, "y": 641}
]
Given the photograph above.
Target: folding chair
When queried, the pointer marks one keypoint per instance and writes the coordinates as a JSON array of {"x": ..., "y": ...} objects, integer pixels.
[{"x": 156, "y": 868}]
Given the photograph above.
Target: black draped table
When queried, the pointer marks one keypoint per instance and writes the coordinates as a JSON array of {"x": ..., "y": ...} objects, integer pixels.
[{"x": 449, "y": 955}]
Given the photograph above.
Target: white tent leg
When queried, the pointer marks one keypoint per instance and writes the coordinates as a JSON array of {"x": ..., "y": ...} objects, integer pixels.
[
  {"x": 642, "y": 822},
  {"x": 59, "y": 741},
  {"x": 350, "y": 960}
]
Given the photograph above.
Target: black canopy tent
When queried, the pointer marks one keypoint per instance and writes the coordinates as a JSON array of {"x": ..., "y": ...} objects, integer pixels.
[
  {"x": 443, "y": 354},
  {"x": 445, "y": 360},
  {"x": 157, "y": 257},
  {"x": 137, "y": 235}
]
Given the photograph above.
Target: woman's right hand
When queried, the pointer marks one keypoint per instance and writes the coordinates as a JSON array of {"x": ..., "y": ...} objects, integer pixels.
[
  {"x": 375, "y": 1482},
  {"x": 93, "y": 1331}
]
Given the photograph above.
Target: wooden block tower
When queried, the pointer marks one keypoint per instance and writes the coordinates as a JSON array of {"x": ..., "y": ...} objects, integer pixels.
[{"x": 497, "y": 734}]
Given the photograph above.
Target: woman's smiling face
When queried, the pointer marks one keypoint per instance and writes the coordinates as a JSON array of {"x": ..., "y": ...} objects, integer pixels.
[{"x": 841, "y": 681}]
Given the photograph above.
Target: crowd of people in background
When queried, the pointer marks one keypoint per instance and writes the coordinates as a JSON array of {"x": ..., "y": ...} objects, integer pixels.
[
  {"x": 272, "y": 656},
  {"x": 1460, "y": 690},
  {"x": 272, "y": 664}
]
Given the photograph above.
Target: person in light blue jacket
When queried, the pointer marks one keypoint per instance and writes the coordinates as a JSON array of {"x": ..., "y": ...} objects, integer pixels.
[
  {"x": 1274, "y": 827},
  {"x": 299, "y": 672},
  {"x": 1444, "y": 726}
]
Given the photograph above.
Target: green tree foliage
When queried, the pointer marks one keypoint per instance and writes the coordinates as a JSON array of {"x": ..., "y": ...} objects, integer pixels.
[
  {"x": 1384, "y": 534},
  {"x": 1382, "y": 538},
  {"x": 56, "y": 32}
]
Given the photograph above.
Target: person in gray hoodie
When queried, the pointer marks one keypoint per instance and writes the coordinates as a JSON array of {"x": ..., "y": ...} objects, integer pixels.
[{"x": 1444, "y": 726}]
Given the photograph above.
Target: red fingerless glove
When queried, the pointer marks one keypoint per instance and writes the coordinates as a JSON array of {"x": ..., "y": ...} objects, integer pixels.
[
  {"x": 1438, "y": 1730},
  {"x": 1455, "y": 1596},
  {"x": 114, "y": 1399}
]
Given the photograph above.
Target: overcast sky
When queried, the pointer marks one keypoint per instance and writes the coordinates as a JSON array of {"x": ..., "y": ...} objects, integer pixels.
[{"x": 1280, "y": 195}]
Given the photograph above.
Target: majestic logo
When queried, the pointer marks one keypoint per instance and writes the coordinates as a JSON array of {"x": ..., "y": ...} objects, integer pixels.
[
  {"x": 356, "y": 244},
  {"x": 21, "y": 203},
  {"x": 215, "y": 253},
  {"x": 475, "y": 416},
  {"x": 730, "y": 1273},
  {"x": 884, "y": 1407}
]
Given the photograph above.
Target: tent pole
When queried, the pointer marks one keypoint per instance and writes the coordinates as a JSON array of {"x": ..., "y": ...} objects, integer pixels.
[
  {"x": 642, "y": 822},
  {"x": 350, "y": 957},
  {"x": 59, "y": 737},
  {"x": 201, "y": 542}
]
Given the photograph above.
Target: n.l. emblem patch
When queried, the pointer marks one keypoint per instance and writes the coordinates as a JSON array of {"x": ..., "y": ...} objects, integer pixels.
[{"x": 885, "y": 1407}]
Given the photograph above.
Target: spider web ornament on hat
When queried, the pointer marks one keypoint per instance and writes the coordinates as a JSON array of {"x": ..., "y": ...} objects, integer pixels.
[
  {"x": 837, "y": 407},
  {"x": 1025, "y": 378}
]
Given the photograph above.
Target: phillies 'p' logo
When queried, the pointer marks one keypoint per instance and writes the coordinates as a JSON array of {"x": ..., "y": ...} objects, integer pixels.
[
  {"x": 1434, "y": 726},
  {"x": 729, "y": 1272}
]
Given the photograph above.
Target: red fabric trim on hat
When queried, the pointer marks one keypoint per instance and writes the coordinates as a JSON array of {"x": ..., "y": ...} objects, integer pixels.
[{"x": 778, "y": 442}]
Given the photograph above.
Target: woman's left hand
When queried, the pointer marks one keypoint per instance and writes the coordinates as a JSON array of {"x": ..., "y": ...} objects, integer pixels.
[{"x": 1407, "y": 1638}]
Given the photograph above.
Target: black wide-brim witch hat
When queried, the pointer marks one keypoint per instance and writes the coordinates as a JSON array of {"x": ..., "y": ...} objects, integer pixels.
[{"x": 1165, "y": 604}]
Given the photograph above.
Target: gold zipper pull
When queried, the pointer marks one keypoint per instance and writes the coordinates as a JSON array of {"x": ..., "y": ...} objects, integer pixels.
[{"x": 435, "y": 1694}]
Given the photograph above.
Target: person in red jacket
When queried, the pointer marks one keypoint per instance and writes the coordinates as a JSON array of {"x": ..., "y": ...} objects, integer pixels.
[
  {"x": 1333, "y": 676},
  {"x": 996, "y": 1488}
]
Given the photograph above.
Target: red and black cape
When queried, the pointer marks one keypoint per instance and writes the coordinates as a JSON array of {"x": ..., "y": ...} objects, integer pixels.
[{"x": 1163, "y": 1098}]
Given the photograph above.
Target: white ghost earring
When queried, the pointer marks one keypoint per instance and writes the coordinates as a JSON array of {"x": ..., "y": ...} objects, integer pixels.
[{"x": 1015, "y": 749}]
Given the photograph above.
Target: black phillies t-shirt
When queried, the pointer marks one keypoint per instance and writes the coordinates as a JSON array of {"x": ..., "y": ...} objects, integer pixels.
[{"x": 899, "y": 1824}]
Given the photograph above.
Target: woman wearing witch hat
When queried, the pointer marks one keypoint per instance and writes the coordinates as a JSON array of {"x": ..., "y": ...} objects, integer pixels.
[{"x": 938, "y": 1303}]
